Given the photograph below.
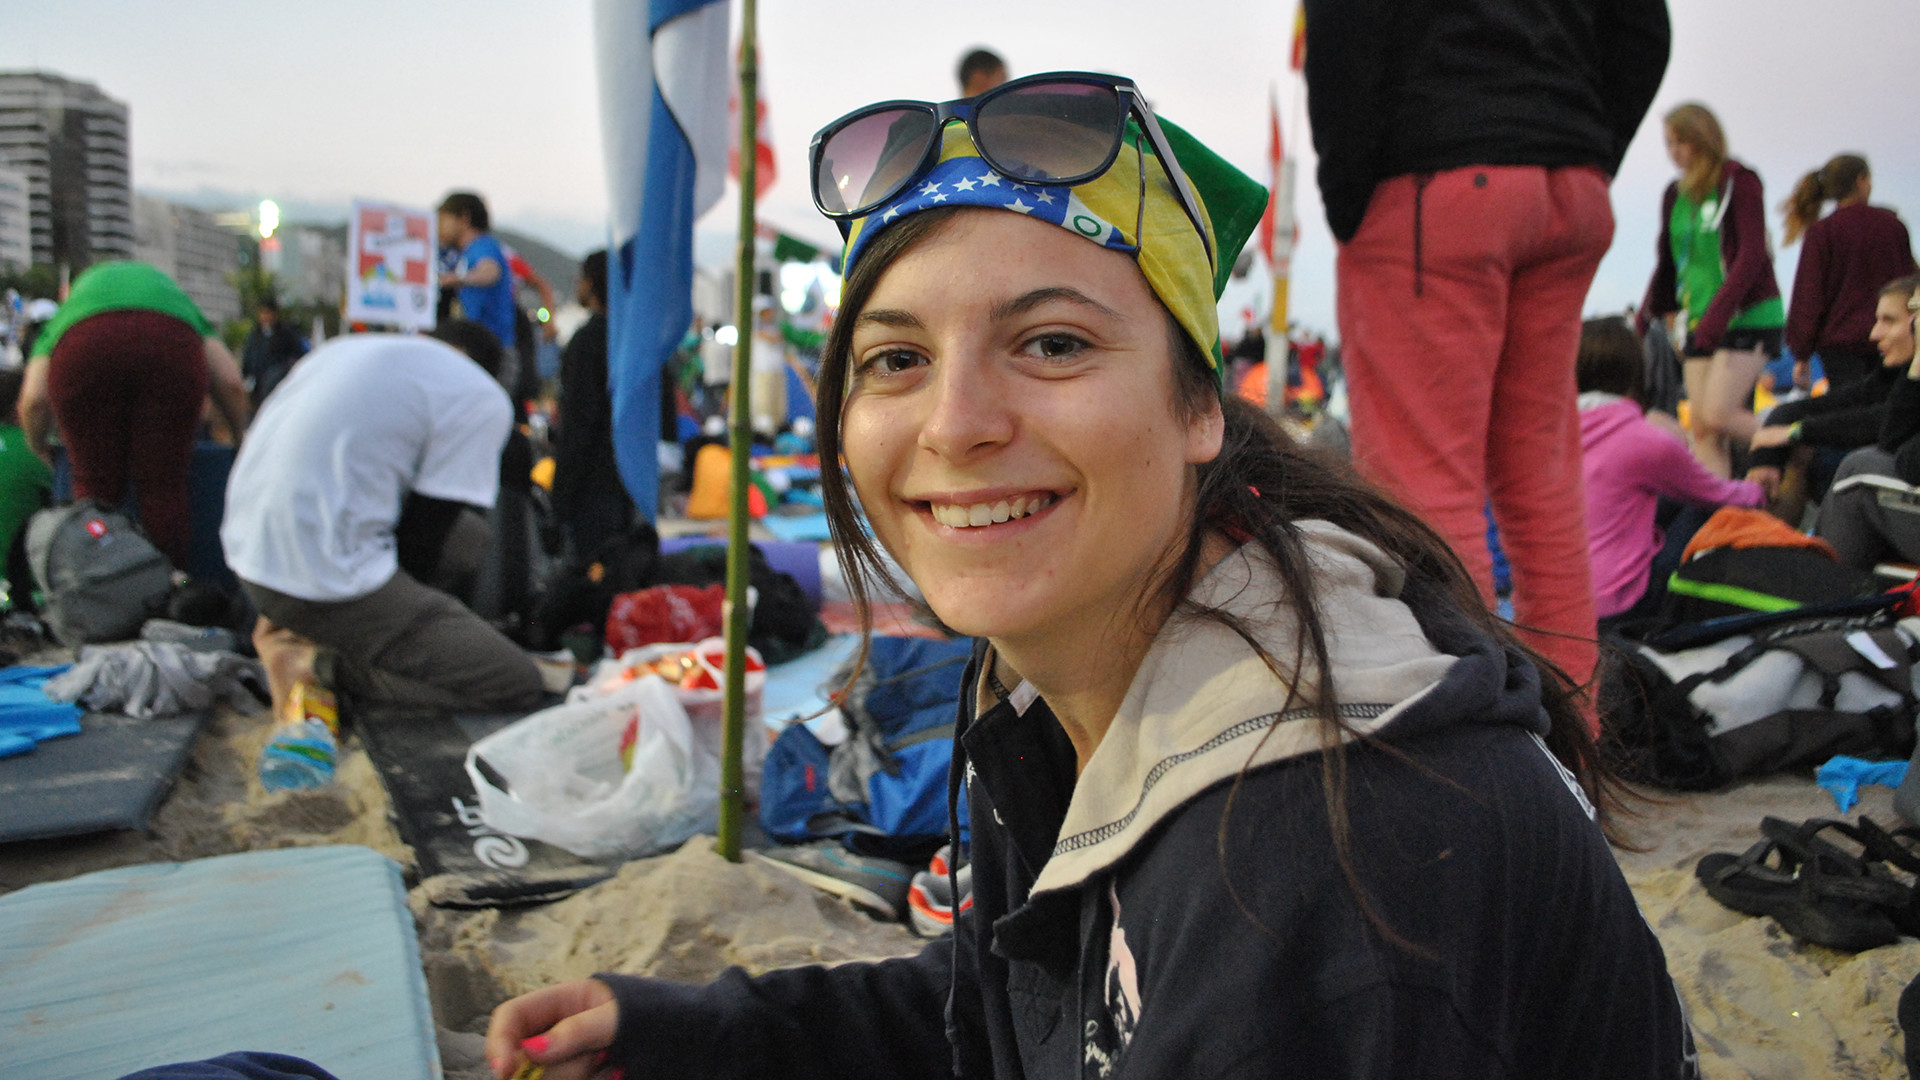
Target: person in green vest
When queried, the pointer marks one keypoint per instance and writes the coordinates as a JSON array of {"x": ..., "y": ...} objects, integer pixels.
[
  {"x": 1716, "y": 269},
  {"x": 124, "y": 369},
  {"x": 26, "y": 484}
]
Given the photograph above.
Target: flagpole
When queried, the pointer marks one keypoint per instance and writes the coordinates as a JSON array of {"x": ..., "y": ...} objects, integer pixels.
[{"x": 733, "y": 801}]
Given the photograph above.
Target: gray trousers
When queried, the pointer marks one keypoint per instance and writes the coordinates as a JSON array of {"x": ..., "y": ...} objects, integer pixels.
[
  {"x": 1867, "y": 524},
  {"x": 408, "y": 645}
]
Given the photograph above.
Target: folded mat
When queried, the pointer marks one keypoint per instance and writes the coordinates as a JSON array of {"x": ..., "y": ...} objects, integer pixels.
[
  {"x": 302, "y": 951},
  {"x": 110, "y": 776},
  {"x": 27, "y": 715},
  {"x": 422, "y": 761}
]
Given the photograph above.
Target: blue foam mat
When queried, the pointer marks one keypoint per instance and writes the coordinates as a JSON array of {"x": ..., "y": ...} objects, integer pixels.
[
  {"x": 800, "y": 687},
  {"x": 302, "y": 951},
  {"x": 110, "y": 776}
]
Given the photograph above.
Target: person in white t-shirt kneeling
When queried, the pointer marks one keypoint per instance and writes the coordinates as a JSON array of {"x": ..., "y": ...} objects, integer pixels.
[{"x": 356, "y": 512}]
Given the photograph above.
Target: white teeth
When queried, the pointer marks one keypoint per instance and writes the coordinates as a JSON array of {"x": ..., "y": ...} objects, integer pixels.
[{"x": 967, "y": 517}]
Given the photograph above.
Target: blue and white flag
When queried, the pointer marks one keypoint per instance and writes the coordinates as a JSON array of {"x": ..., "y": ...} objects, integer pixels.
[{"x": 663, "y": 123}]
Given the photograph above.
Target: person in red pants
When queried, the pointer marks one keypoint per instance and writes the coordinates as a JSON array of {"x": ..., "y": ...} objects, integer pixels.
[
  {"x": 1465, "y": 151},
  {"x": 124, "y": 369}
]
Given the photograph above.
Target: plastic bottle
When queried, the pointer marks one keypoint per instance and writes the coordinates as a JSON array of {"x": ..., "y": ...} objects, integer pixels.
[{"x": 302, "y": 752}]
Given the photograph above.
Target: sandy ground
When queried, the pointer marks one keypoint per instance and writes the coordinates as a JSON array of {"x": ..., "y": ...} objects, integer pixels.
[{"x": 1762, "y": 1005}]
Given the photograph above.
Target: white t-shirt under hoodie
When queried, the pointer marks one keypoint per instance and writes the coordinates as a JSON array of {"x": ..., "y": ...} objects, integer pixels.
[{"x": 315, "y": 493}]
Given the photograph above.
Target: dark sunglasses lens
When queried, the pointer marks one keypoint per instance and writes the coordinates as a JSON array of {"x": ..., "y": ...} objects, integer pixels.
[
  {"x": 1051, "y": 130},
  {"x": 863, "y": 162}
]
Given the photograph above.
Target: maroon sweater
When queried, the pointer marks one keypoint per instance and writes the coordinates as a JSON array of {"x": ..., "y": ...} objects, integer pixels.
[
  {"x": 1845, "y": 259},
  {"x": 1743, "y": 253}
]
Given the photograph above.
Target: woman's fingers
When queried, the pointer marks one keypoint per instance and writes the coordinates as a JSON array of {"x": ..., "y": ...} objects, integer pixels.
[{"x": 563, "y": 1027}]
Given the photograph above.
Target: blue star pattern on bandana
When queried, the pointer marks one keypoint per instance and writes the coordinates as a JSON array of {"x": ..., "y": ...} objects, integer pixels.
[{"x": 968, "y": 181}]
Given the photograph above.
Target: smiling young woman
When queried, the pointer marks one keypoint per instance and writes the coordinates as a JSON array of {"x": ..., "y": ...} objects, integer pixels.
[{"x": 1257, "y": 786}]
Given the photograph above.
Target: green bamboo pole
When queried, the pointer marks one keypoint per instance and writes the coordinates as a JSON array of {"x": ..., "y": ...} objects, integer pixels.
[{"x": 733, "y": 803}]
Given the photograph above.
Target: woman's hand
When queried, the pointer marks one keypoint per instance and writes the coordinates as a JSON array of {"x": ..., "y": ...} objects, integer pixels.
[
  {"x": 566, "y": 1028},
  {"x": 1768, "y": 478},
  {"x": 1772, "y": 435}
]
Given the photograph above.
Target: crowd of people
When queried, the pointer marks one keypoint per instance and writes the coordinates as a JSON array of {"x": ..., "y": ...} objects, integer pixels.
[{"x": 1258, "y": 781}]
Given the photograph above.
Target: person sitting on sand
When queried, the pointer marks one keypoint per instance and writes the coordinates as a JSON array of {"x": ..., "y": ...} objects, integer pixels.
[
  {"x": 1631, "y": 465},
  {"x": 1870, "y": 515},
  {"x": 1842, "y": 419},
  {"x": 357, "y": 508},
  {"x": 1257, "y": 785}
]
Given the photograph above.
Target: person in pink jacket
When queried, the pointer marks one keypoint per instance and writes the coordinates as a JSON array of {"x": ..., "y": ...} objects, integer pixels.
[{"x": 1630, "y": 463}]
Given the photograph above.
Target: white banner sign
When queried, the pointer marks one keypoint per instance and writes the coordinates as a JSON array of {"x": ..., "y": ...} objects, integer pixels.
[{"x": 390, "y": 266}]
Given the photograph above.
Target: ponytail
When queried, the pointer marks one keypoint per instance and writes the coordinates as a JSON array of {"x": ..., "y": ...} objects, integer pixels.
[
  {"x": 1838, "y": 179},
  {"x": 1802, "y": 207}
]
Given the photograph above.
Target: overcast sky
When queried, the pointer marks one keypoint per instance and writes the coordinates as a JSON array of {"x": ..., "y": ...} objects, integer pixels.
[{"x": 314, "y": 104}]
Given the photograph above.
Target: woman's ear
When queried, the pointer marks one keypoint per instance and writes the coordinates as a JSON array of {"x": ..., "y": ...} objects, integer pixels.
[{"x": 1205, "y": 431}]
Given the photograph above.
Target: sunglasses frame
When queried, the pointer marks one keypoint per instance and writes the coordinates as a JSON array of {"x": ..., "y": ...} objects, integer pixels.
[{"x": 966, "y": 110}]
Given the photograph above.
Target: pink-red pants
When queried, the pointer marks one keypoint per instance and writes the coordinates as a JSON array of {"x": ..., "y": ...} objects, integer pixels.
[
  {"x": 1459, "y": 306},
  {"x": 127, "y": 389}
]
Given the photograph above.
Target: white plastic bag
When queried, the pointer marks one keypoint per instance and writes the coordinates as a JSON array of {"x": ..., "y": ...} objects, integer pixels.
[
  {"x": 706, "y": 709},
  {"x": 560, "y": 778}
]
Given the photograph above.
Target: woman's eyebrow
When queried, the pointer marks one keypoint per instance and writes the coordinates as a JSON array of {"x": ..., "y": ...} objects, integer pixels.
[
  {"x": 890, "y": 317},
  {"x": 1026, "y": 302}
]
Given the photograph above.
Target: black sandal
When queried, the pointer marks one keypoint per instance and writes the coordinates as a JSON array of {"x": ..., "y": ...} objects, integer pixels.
[
  {"x": 1900, "y": 849},
  {"x": 1816, "y": 891}
]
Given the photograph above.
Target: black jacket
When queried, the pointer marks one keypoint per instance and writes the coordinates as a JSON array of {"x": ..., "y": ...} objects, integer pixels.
[
  {"x": 1900, "y": 432},
  {"x": 1168, "y": 916},
  {"x": 1844, "y": 418},
  {"x": 583, "y": 462},
  {"x": 1418, "y": 86}
]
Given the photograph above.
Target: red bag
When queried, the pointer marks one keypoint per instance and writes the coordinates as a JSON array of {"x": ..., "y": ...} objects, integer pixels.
[{"x": 664, "y": 613}]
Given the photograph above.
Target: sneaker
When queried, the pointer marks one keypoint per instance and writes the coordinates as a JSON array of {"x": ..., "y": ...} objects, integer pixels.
[
  {"x": 879, "y": 885},
  {"x": 930, "y": 896}
]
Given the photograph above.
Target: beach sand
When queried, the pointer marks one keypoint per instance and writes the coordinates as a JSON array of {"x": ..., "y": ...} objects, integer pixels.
[{"x": 1762, "y": 1005}]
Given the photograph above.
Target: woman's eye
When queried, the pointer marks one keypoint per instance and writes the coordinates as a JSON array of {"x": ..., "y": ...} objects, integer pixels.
[
  {"x": 1055, "y": 346},
  {"x": 890, "y": 362}
]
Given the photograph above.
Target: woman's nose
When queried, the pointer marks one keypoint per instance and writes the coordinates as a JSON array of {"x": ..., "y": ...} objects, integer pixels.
[{"x": 968, "y": 410}]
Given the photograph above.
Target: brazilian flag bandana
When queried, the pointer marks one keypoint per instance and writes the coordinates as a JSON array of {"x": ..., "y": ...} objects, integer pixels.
[{"x": 1108, "y": 210}]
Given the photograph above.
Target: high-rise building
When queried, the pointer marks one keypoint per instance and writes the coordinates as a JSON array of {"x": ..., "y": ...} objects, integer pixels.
[
  {"x": 192, "y": 248},
  {"x": 16, "y": 228},
  {"x": 71, "y": 142}
]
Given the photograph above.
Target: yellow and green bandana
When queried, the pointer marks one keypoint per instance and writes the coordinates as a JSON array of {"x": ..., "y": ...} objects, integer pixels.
[{"x": 1107, "y": 210}]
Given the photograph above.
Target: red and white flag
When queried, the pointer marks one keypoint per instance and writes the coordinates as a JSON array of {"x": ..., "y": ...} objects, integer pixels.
[
  {"x": 763, "y": 169},
  {"x": 1278, "y": 230}
]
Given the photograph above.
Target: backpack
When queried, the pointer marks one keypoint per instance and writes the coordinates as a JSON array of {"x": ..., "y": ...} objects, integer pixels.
[
  {"x": 883, "y": 789},
  {"x": 1732, "y": 581},
  {"x": 99, "y": 577},
  {"x": 1742, "y": 561},
  {"x": 1788, "y": 695}
]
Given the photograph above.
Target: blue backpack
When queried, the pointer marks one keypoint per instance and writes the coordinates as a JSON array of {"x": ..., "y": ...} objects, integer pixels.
[{"x": 882, "y": 791}]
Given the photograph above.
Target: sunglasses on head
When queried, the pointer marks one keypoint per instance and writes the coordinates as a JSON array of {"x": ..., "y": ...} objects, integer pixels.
[{"x": 1059, "y": 129}]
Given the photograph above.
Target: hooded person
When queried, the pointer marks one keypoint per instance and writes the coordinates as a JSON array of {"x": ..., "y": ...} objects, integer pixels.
[{"x": 1255, "y": 784}]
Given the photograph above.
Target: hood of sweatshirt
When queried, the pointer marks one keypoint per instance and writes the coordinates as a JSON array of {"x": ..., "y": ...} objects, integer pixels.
[
  {"x": 1204, "y": 706},
  {"x": 1603, "y": 414}
]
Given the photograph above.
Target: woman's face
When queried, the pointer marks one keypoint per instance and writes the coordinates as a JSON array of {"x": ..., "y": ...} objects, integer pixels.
[
  {"x": 1011, "y": 428},
  {"x": 1679, "y": 152}
]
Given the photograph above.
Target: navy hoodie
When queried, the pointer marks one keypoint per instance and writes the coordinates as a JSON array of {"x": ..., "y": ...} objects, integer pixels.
[{"x": 1179, "y": 909}]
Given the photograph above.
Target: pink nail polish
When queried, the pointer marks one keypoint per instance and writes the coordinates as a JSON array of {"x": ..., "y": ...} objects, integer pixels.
[{"x": 536, "y": 1045}]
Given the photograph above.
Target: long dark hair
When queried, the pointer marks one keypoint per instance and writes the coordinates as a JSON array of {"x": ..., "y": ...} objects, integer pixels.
[{"x": 1261, "y": 485}]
